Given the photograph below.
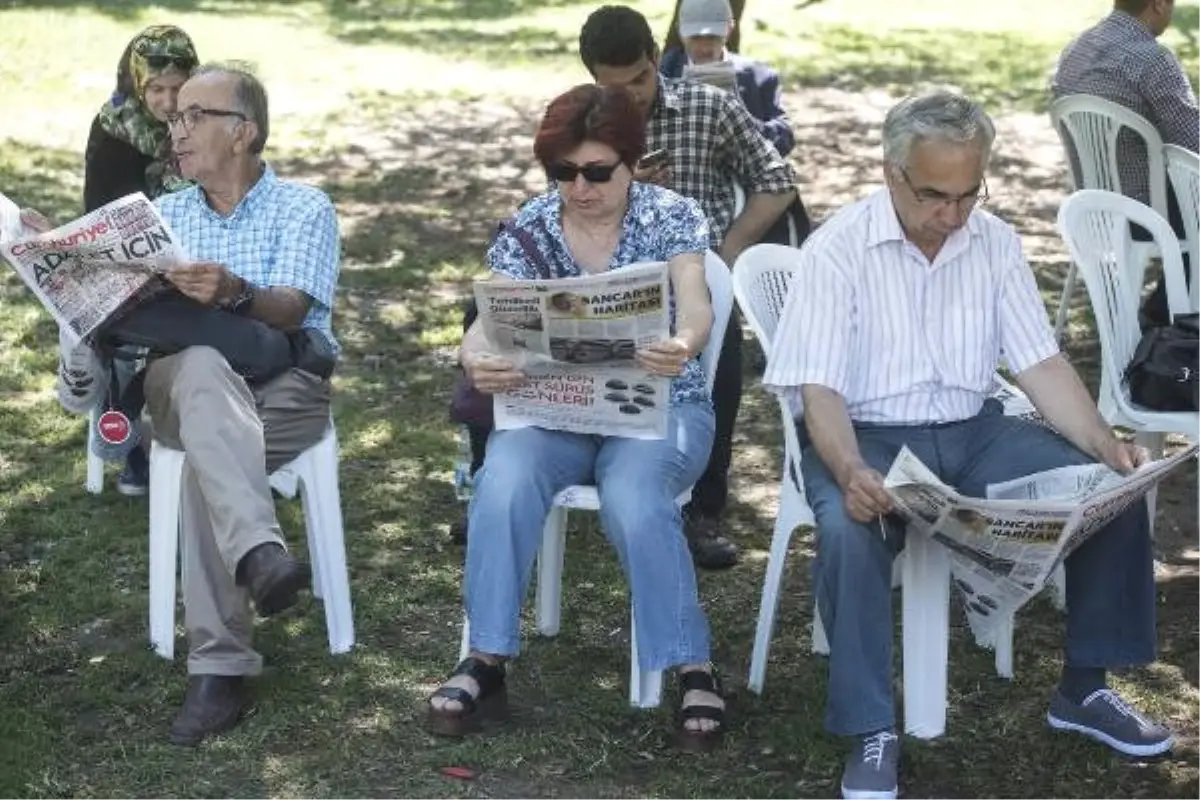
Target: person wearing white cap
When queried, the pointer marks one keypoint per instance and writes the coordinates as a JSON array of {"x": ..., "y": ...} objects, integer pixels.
[{"x": 704, "y": 28}]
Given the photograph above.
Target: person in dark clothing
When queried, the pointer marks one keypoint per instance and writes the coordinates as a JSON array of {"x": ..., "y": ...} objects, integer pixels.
[{"x": 129, "y": 150}]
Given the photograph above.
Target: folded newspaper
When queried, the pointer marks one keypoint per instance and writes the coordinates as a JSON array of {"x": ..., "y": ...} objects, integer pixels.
[
  {"x": 1003, "y": 548},
  {"x": 575, "y": 338},
  {"x": 720, "y": 74},
  {"x": 86, "y": 271}
]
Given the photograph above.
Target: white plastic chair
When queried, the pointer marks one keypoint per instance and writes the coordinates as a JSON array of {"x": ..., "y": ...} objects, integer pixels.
[
  {"x": 1095, "y": 226},
  {"x": 1088, "y": 127},
  {"x": 645, "y": 687},
  {"x": 314, "y": 473},
  {"x": 95, "y": 464},
  {"x": 761, "y": 278},
  {"x": 1183, "y": 172}
]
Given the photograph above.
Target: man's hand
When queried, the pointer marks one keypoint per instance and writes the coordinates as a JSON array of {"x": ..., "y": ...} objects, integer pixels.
[
  {"x": 1123, "y": 457},
  {"x": 492, "y": 374},
  {"x": 863, "y": 492},
  {"x": 659, "y": 175},
  {"x": 204, "y": 281},
  {"x": 664, "y": 358}
]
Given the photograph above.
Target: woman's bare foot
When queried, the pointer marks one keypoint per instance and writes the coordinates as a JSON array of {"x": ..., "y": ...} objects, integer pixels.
[{"x": 699, "y": 699}]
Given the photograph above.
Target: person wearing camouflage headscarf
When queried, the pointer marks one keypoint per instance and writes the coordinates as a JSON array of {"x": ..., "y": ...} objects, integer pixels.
[{"x": 129, "y": 149}]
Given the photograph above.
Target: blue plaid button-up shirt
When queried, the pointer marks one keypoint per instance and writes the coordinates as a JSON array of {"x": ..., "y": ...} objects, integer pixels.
[{"x": 280, "y": 234}]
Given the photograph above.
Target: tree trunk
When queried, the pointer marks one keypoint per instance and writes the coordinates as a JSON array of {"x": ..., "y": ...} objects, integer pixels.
[{"x": 738, "y": 6}]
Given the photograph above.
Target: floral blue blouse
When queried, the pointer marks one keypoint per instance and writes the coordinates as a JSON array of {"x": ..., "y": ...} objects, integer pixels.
[{"x": 659, "y": 225}]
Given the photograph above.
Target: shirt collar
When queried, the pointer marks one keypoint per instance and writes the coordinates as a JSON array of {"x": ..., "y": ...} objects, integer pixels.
[
  {"x": 884, "y": 226},
  {"x": 253, "y": 198},
  {"x": 1129, "y": 24}
]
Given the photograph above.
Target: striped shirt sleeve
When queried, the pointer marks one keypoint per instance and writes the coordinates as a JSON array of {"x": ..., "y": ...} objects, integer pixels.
[
  {"x": 1026, "y": 338},
  {"x": 812, "y": 343}
]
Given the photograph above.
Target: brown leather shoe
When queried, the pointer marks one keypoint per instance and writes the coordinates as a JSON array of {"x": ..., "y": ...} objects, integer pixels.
[
  {"x": 273, "y": 577},
  {"x": 214, "y": 703}
]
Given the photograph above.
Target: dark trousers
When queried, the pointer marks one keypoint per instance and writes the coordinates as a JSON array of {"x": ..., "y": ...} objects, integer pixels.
[{"x": 1110, "y": 577}]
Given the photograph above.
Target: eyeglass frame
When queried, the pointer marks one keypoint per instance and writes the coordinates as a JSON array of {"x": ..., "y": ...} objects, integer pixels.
[
  {"x": 976, "y": 198},
  {"x": 196, "y": 112}
]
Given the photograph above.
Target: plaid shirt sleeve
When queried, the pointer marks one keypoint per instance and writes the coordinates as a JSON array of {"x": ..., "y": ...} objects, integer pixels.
[
  {"x": 310, "y": 247},
  {"x": 1171, "y": 100},
  {"x": 759, "y": 167}
]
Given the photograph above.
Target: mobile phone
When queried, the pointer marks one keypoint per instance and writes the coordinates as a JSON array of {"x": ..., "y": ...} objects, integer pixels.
[{"x": 654, "y": 159}]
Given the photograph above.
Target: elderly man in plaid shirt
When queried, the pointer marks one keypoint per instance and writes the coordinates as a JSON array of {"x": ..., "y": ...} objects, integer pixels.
[
  {"x": 268, "y": 249},
  {"x": 711, "y": 143}
]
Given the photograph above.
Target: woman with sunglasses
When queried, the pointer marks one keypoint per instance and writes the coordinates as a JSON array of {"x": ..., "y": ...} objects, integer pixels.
[
  {"x": 129, "y": 150},
  {"x": 595, "y": 219}
]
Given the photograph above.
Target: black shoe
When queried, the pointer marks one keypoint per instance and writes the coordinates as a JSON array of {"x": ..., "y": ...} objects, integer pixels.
[
  {"x": 710, "y": 550},
  {"x": 214, "y": 703},
  {"x": 273, "y": 577}
]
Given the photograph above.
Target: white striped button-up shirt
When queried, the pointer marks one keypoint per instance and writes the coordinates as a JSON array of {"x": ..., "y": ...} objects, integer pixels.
[{"x": 904, "y": 341}]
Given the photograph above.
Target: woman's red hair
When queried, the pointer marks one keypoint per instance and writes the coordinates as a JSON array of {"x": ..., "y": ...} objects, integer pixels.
[{"x": 590, "y": 113}]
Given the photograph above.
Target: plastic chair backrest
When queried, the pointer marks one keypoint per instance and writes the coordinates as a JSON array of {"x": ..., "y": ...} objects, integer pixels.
[
  {"x": 1089, "y": 127},
  {"x": 761, "y": 279},
  {"x": 1095, "y": 226},
  {"x": 720, "y": 290},
  {"x": 1183, "y": 168}
]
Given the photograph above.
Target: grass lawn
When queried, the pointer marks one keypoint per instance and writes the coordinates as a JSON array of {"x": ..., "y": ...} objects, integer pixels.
[{"x": 417, "y": 118}]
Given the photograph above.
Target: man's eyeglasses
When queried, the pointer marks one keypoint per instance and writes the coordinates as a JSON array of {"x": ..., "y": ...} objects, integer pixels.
[
  {"x": 592, "y": 173},
  {"x": 190, "y": 116},
  {"x": 934, "y": 197}
]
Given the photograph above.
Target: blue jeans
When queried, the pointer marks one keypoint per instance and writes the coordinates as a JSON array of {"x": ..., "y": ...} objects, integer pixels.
[
  {"x": 638, "y": 481},
  {"x": 1110, "y": 578}
]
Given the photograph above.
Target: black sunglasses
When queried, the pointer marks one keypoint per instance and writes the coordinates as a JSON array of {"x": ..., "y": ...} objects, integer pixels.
[
  {"x": 162, "y": 62},
  {"x": 592, "y": 173}
]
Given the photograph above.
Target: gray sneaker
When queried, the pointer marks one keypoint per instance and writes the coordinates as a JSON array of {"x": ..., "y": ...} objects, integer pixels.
[
  {"x": 871, "y": 767},
  {"x": 1105, "y": 717}
]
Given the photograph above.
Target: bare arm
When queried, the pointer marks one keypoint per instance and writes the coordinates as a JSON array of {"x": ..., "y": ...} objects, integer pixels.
[
  {"x": 487, "y": 372},
  {"x": 693, "y": 318},
  {"x": 1062, "y": 399},
  {"x": 829, "y": 428},
  {"x": 206, "y": 282}
]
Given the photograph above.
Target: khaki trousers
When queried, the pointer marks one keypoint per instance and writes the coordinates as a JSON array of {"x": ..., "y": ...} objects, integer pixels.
[{"x": 234, "y": 437}]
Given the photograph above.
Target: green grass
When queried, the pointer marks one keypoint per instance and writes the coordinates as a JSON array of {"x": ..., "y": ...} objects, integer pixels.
[{"x": 423, "y": 148}]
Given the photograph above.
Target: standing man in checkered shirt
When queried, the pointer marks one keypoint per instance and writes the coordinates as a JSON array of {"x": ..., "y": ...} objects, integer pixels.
[
  {"x": 1121, "y": 60},
  {"x": 712, "y": 142},
  {"x": 268, "y": 249}
]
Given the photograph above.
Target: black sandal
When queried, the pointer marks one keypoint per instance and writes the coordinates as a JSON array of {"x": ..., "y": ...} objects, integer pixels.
[
  {"x": 699, "y": 741},
  {"x": 492, "y": 700}
]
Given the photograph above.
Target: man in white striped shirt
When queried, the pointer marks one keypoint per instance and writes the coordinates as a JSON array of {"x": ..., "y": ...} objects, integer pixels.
[{"x": 899, "y": 313}]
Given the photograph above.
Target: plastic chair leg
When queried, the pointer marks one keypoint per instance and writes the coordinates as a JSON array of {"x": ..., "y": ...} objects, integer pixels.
[
  {"x": 550, "y": 572},
  {"x": 769, "y": 606},
  {"x": 323, "y": 522},
  {"x": 95, "y": 464},
  {"x": 926, "y": 597},
  {"x": 645, "y": 687},
  {"x": 166, "y": 474}
]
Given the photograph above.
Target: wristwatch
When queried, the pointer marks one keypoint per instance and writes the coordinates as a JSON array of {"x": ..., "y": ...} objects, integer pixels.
[{"x": 242, "y": 301}]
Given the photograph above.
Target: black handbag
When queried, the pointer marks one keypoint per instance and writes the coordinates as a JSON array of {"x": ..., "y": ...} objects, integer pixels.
[{"x": 1163, "y": 372}]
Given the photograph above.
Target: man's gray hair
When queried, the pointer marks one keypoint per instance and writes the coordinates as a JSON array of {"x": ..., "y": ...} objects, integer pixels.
[
  {"x": 939, "y": 115},
  {"x": 249, "y": 97}
]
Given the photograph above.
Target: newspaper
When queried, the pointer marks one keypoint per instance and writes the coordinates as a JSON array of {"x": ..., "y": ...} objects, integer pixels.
[
  {"x": 575, "y": 339},
  {"x": 720, "y": 74},
  {"x": 87, "y": 270},
  {"x": 1003, "y": 548}
]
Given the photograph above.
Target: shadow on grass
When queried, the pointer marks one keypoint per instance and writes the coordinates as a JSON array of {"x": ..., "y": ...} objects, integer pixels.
[{"x": 996, "y": 68}]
